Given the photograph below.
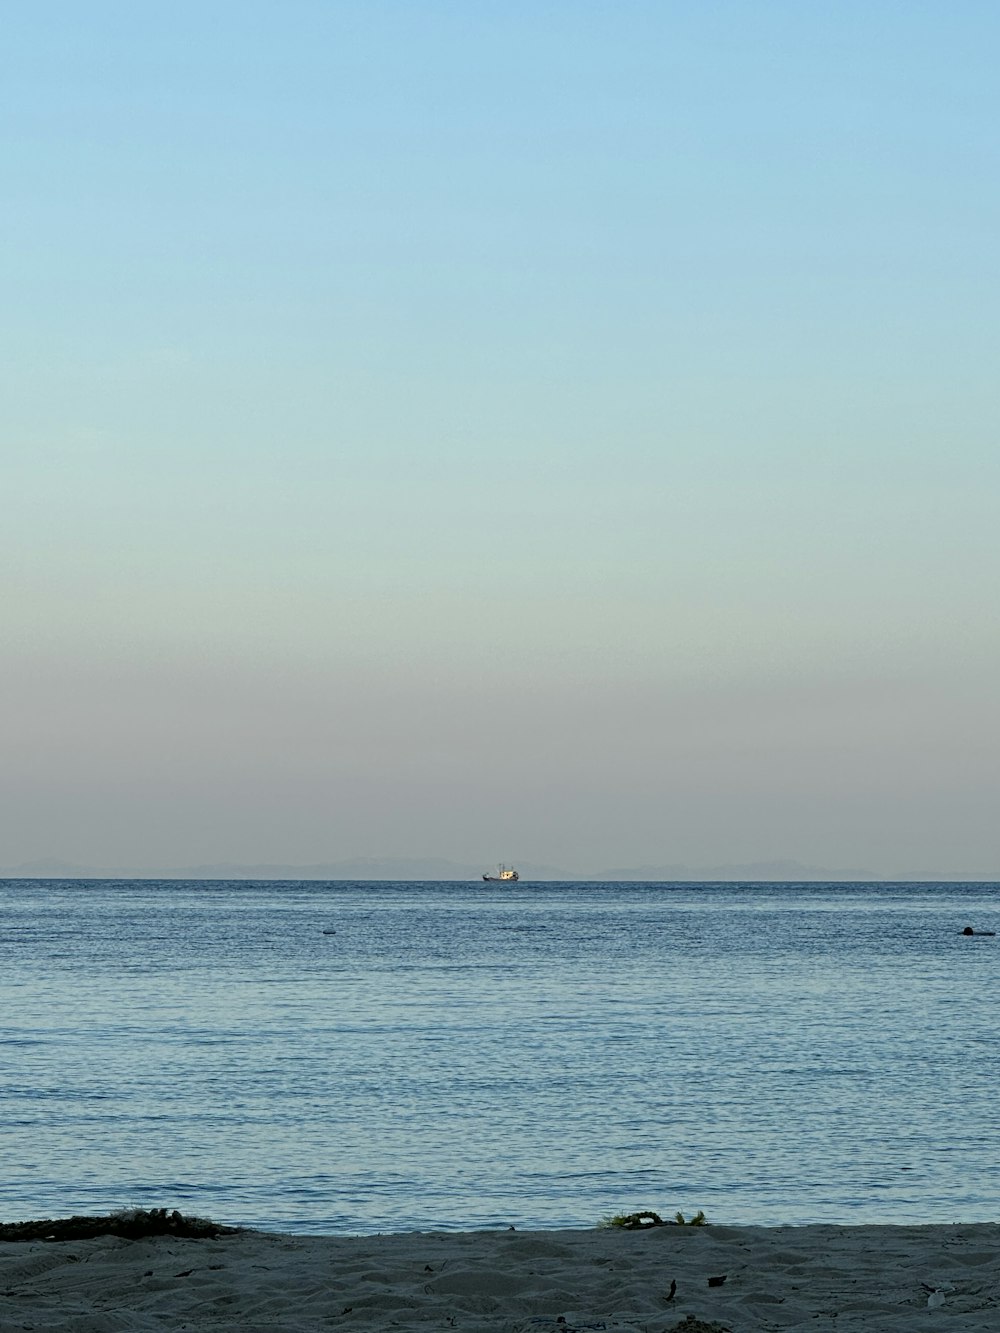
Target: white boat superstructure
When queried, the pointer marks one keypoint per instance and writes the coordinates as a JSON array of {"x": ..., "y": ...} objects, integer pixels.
[{"x": 504, "y": 875}]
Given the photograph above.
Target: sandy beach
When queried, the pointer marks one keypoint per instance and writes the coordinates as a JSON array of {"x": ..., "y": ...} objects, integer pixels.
[{"x": 816, "y": 1278}]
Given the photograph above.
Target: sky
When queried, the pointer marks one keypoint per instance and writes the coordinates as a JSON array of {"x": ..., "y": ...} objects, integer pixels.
[{"x": 562, "y": 432}]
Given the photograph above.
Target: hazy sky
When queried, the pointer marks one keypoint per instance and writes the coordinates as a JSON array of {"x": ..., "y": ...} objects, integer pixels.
[{"x": 549, "y": 431}]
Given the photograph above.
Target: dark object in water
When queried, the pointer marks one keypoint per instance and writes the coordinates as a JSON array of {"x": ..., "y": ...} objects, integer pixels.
[
  {"x": 969, "y": 931},
  {"x": 717, "y": 1281},
  {"x": 135, "y": 1224}
]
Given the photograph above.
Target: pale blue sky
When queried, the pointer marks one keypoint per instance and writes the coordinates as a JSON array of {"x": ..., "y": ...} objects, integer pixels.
[{"x": 562, "y": 432}]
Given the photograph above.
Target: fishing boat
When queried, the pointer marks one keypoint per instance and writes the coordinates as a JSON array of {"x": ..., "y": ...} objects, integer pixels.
[{"x": 504, "y": 875}]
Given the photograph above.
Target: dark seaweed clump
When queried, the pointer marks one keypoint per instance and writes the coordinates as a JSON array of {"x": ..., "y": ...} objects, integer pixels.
[{"x": 131, "y": 1224}]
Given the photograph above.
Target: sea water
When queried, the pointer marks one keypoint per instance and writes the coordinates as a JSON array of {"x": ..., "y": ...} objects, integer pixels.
[{"x": 361, "y": 1057}]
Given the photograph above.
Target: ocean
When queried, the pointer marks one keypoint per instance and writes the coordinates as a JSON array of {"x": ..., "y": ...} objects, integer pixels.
[{"x": 366, "y": 1057}]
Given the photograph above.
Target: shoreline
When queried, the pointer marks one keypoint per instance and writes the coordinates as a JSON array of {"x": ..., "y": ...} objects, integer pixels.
[{"x": 704, "y": 1279}]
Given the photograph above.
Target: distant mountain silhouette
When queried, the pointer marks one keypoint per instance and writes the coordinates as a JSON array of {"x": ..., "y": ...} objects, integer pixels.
[
  {"x": 415, "y": 869},
  {"x": 793, "y": 871},
  {"x": 438, "y": 868},
  {"x": 359, "y": 868}
]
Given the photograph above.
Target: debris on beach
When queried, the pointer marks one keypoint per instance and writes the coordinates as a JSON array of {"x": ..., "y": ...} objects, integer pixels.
[
  {"x": 647, "y": 1218},
  {"x": 637, "y": 1221},
  {"x": 936, "y": 1295},
  {"x": 129, "y": 1224}
]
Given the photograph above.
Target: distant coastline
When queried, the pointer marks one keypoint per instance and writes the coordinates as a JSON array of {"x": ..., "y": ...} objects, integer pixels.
[{"x": 431, "y": 869}]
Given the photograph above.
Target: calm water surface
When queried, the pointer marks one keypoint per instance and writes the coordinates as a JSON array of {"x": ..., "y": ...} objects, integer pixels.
[{"x": 362, "y": 1057}]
